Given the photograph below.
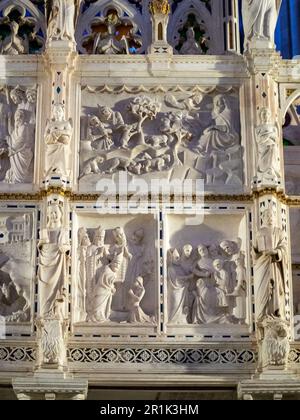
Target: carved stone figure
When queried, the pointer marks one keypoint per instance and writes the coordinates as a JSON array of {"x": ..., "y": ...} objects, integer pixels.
[
  {"x": 13, "y": 44},
  {"x": 98, "y": 135},
  {"x": 20, "y": 143},
  {"x": 135, "y": 296},
  {"x": 260, "y": 18},
  {"x": 207, "y": 308},
  {"x": 220, "y": 135},
  {"x": 267, "y": 137},
  {"x": 270, "y": 264},
  {"x": 54, "y": 250},
  {"x": 240, "y": 291},
  {"x": 191, "y": 46},
  {"x": 61, "y": 20},
  {"x": 107, "y": 43},
  {"x": 104, "y": 290},
  {"x": 81, "y": 295},
  {"x": 108, "y": 116},
  {"x": 178, "y": 283},
  {"x": 274, "y": 344},
  {"x": 58, "y": 135}
]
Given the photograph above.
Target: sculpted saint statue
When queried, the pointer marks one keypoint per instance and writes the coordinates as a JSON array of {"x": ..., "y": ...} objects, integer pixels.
[
  {"x": 58, "y": 136},
  {"x": 260, "y": 18},
  {"x": 53, "y": 261},
  {"x": 61, "y": 24},
  {"x": 267, "y": 135},
  {"x": 20, "y": 145},
  {"x": 270, "y": 264}
]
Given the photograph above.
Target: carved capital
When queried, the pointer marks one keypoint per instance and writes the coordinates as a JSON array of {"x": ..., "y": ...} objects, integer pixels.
[{"x": 160, "y": 7}]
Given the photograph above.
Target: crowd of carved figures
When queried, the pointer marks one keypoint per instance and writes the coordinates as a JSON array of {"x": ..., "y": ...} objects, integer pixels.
[
  {"x": 115, "y": 277},
  {"x": 207, "y": 284},
  {"x": 194, "y": 133},
  {"x": 18, "y": 107}
]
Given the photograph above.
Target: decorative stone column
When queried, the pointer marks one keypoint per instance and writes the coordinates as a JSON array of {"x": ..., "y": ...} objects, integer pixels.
[
  {"x": 231, "y": 26},
  {"x": 270, "y": 241}
]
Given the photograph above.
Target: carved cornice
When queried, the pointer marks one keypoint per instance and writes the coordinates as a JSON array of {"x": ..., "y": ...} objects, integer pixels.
[
  {"x": 246, "y": 198},
  {"x": 158, "y": 89}
]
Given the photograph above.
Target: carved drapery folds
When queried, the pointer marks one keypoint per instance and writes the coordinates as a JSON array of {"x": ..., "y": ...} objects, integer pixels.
[
  {"x": 260, "y": 18},
  {"x": 17, "y": 127}
]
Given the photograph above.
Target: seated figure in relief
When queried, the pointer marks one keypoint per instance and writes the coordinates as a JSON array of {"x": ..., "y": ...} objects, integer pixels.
[
  {"x": 191, "y": 46},
  {"x": 99, "y": 136},
  {"x": 220, "y": 135}
]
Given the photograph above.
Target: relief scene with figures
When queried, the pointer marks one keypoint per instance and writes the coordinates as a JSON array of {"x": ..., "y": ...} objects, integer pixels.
[
  {"x": 116, "y": 278},
  {"x": 174, "y": 134}
]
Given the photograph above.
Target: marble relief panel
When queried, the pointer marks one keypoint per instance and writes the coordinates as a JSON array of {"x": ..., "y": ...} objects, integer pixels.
[
  {"x": 115, "y": 267},
  {"x": 17, "y": 137},
  {"x": 207, "y": 280},
  {"x": 162, "y": 133},
  {"x": 17, "y": 266}
]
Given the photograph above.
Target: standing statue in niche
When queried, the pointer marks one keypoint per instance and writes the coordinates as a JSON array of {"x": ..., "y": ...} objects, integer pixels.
[
  {"x": 191, "y": 46},
  {"x": 260, "y": 18},
  {"x": 13, "y": 44},
  {"x": 58, "y": 135},
  {"x": 53, "y": 261},
  {"x": 270, "y": 264},
  {"x": 20, "y": 144},
  {"x": 61, "y": 23},
  {"x": 267, "y": 136}
]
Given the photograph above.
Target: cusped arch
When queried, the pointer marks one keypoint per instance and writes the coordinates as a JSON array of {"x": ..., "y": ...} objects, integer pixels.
[
  {"x": 35, "y": 15},
  {"x": 179, "y": 18},
  {"x": 124, "y": 9},
  {"x": 289, "y": 102}
]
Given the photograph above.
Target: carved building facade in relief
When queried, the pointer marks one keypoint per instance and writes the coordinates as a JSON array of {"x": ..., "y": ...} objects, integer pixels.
[{"x": 104, "y": 105}]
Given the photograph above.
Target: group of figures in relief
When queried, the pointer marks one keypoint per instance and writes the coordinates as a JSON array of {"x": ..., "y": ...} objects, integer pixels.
[
  {"x": 192, "y": 134},
  {"x": 207, "y": 284},
  {"x": 17, "y": 128},
  {"x": 16, "y": 267},
  {"x": 115, "y": 277}
]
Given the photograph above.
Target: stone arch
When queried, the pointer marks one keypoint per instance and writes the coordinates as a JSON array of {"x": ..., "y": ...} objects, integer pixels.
[
  {"x": 30, "y": 13},
  {"x": 289, "y": 102},
  {"x": 124, "y": 10}
]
